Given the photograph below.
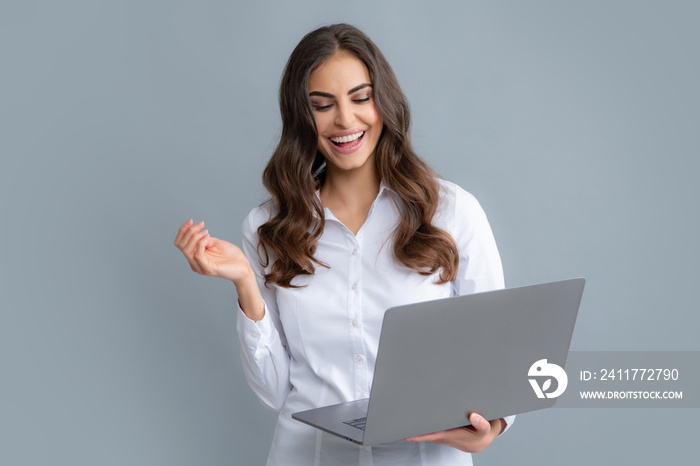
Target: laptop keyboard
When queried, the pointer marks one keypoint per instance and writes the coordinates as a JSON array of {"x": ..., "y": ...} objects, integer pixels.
[{"x": 358, "y": 423}]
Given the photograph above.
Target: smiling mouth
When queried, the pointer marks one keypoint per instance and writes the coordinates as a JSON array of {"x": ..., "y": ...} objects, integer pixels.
[{"x": 345, "y": 141}]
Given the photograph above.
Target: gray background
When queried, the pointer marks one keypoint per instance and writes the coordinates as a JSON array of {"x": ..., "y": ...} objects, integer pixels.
[{"x": 574, "y": 123}]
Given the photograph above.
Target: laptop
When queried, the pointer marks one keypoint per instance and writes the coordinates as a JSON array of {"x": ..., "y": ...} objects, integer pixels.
[{"x": 439, "y": 361}]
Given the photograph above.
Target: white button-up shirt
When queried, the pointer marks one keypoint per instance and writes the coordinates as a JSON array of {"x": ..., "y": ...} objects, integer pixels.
[{"x": 317, "y": 345}]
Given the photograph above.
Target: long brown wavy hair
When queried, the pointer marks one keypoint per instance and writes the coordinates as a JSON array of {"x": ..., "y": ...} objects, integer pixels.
[{"x": 294, "y": 172}]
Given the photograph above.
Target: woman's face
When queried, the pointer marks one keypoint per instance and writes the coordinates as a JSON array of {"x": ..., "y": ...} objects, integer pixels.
[{"x": 347, "y": 122}]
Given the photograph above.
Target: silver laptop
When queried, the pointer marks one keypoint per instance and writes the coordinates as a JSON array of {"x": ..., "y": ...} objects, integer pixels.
[{"x": 438, "y": 361}]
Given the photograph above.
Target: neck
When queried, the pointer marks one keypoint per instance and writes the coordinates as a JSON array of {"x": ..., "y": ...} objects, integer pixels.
[{"x": 350, "y": 188}]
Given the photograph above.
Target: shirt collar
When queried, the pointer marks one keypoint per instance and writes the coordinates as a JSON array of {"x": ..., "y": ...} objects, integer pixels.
[{"x": 382, "y": 189}]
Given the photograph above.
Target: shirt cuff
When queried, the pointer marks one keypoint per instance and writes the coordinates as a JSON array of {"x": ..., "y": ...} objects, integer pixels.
[
  {"x": 253, "y": 334},
  {"x": 509, "y": 422}
]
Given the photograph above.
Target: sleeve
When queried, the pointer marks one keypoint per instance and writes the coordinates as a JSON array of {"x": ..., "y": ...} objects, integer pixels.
[
  {"x": 480, "y": 267},
  {"x": 263, "y": 344}
]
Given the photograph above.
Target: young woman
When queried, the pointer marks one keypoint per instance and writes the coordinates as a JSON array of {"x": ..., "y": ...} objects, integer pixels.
[{"x": 357, "y": 223}]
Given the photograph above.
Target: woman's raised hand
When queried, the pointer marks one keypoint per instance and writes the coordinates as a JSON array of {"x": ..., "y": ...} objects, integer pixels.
[
  {"x": 211, "y": 256},
  {"x": 217, "y": 258}
]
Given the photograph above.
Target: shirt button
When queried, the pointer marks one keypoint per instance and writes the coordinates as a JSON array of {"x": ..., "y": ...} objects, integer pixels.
[
  {"x": 354, "y": 322},
  {"x": 358, "y": 358},
  {"x": 354, "y": 286},
  {"x": 354, "y": 252},
  {"x": 255, "y": 334}
]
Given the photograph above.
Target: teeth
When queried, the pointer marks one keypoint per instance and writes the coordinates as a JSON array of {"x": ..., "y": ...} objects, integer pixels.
[{"x": 349, "y": 138}]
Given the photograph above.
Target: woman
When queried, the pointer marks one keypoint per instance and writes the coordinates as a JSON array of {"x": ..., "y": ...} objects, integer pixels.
[{"x": 357, "y": 223}]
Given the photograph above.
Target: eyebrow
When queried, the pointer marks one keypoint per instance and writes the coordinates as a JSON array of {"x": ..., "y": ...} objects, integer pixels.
[{"x": 331, "y": 96}]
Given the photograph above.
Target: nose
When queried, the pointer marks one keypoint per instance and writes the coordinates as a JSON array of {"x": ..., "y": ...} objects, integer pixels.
[{"x": 344, "y": 116}]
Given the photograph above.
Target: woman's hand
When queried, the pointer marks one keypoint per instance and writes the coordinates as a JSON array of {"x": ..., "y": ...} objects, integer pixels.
[
  {"x": 211, "y": 256},
  {"x": 472, "y": 439},
  {"x": 217, "y": 258}
]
